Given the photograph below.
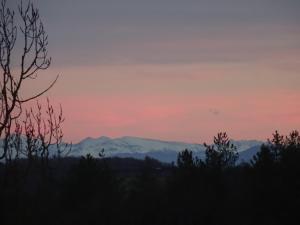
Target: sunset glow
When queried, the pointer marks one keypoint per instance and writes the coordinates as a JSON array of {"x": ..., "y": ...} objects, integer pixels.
[{"x": 173, "y": 70}]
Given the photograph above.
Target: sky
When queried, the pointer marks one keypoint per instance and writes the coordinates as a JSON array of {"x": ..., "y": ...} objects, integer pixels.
[{"x": 173, "y": 69}]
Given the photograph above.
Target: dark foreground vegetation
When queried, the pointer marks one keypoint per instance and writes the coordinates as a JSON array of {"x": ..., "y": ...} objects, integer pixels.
[{"x": 127, "y": 191}]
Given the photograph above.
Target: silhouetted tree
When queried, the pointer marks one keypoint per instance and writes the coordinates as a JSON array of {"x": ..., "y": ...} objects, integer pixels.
[
  {"x": 264, "y": 158},
  {"x": 279, "y": 150},
  {"x": 34, "y": 58},
  {"x": 39, "y": 136},
  {"x": 186, "y": 160},
  {"x": 276, "y": 179},
  {"x": 90, "y": 192},
  {"x": 290, "y": 157},
  {"x": 222, "y": 153}
]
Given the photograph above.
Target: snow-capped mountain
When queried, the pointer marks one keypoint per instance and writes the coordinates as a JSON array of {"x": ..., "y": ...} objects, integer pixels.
[
  {"x": 129, "y": 145},
  {"x": 165, "y": 151},
  {"x": 135, "y": 147}
]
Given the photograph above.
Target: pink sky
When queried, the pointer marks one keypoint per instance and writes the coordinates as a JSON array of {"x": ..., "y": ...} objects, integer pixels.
[
  {"x": 155, "y": 101},
  {"x": 174, "y": 70}
]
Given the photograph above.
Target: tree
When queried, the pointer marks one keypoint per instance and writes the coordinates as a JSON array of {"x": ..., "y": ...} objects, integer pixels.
[
  {"x": 264, "y": 159},
  {"x": 290, "y": 157},
  {"x": 34, "y": 58},
  {"x": 222, "y": 153},
  {"x": 186, "y": 160},
  {"x": 279, "y": 150},
  {"x": 275, "y": 178},
  {"x": 43, "y": 131},
  {"x": 38, "y": 138},
  {"x": 276, "y": 145}
]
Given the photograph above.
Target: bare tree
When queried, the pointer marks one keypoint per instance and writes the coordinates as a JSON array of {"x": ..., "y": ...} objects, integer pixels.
[
  {"x": 48, "y": 130},
  {"x": 39, "y": 136},
  {"x": 34, "y": 58}
]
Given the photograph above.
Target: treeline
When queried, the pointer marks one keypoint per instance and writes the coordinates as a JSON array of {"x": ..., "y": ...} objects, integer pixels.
[{"x": 209, "y": 191}]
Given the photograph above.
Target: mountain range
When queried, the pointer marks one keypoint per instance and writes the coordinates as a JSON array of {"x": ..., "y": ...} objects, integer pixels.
[
  {"x": 165, "y": 151},
  {"x": 139, "y": 148}
]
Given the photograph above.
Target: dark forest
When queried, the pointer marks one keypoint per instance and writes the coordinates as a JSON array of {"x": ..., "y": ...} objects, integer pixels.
[{"x": 129, "y": 191}]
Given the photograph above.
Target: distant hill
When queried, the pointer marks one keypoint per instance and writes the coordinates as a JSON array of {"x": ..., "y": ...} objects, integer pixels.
[{"x": 165, "y": 151}]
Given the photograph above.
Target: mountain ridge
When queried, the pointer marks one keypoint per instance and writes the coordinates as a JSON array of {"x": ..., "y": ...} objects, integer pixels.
[{"x": 138, "y": 147}]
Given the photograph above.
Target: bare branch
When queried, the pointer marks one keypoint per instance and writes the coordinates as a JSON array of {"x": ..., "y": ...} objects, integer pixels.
[
  {"x": 34, "y": 58},
  {"x": 41, "y": 93}
]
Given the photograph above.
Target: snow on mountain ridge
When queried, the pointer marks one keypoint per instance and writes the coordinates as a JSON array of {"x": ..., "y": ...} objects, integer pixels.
[
  {"x": 137, "y": 147},
  {"x": 132, "y": 145}
]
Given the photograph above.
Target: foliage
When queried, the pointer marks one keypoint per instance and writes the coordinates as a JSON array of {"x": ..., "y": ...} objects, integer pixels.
[
  {"x": 186, "y": 160},
  {"x": 222, "y": 154},
  {"x": 279, "y": 150},
  {"x": 93, "y": 191}
]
